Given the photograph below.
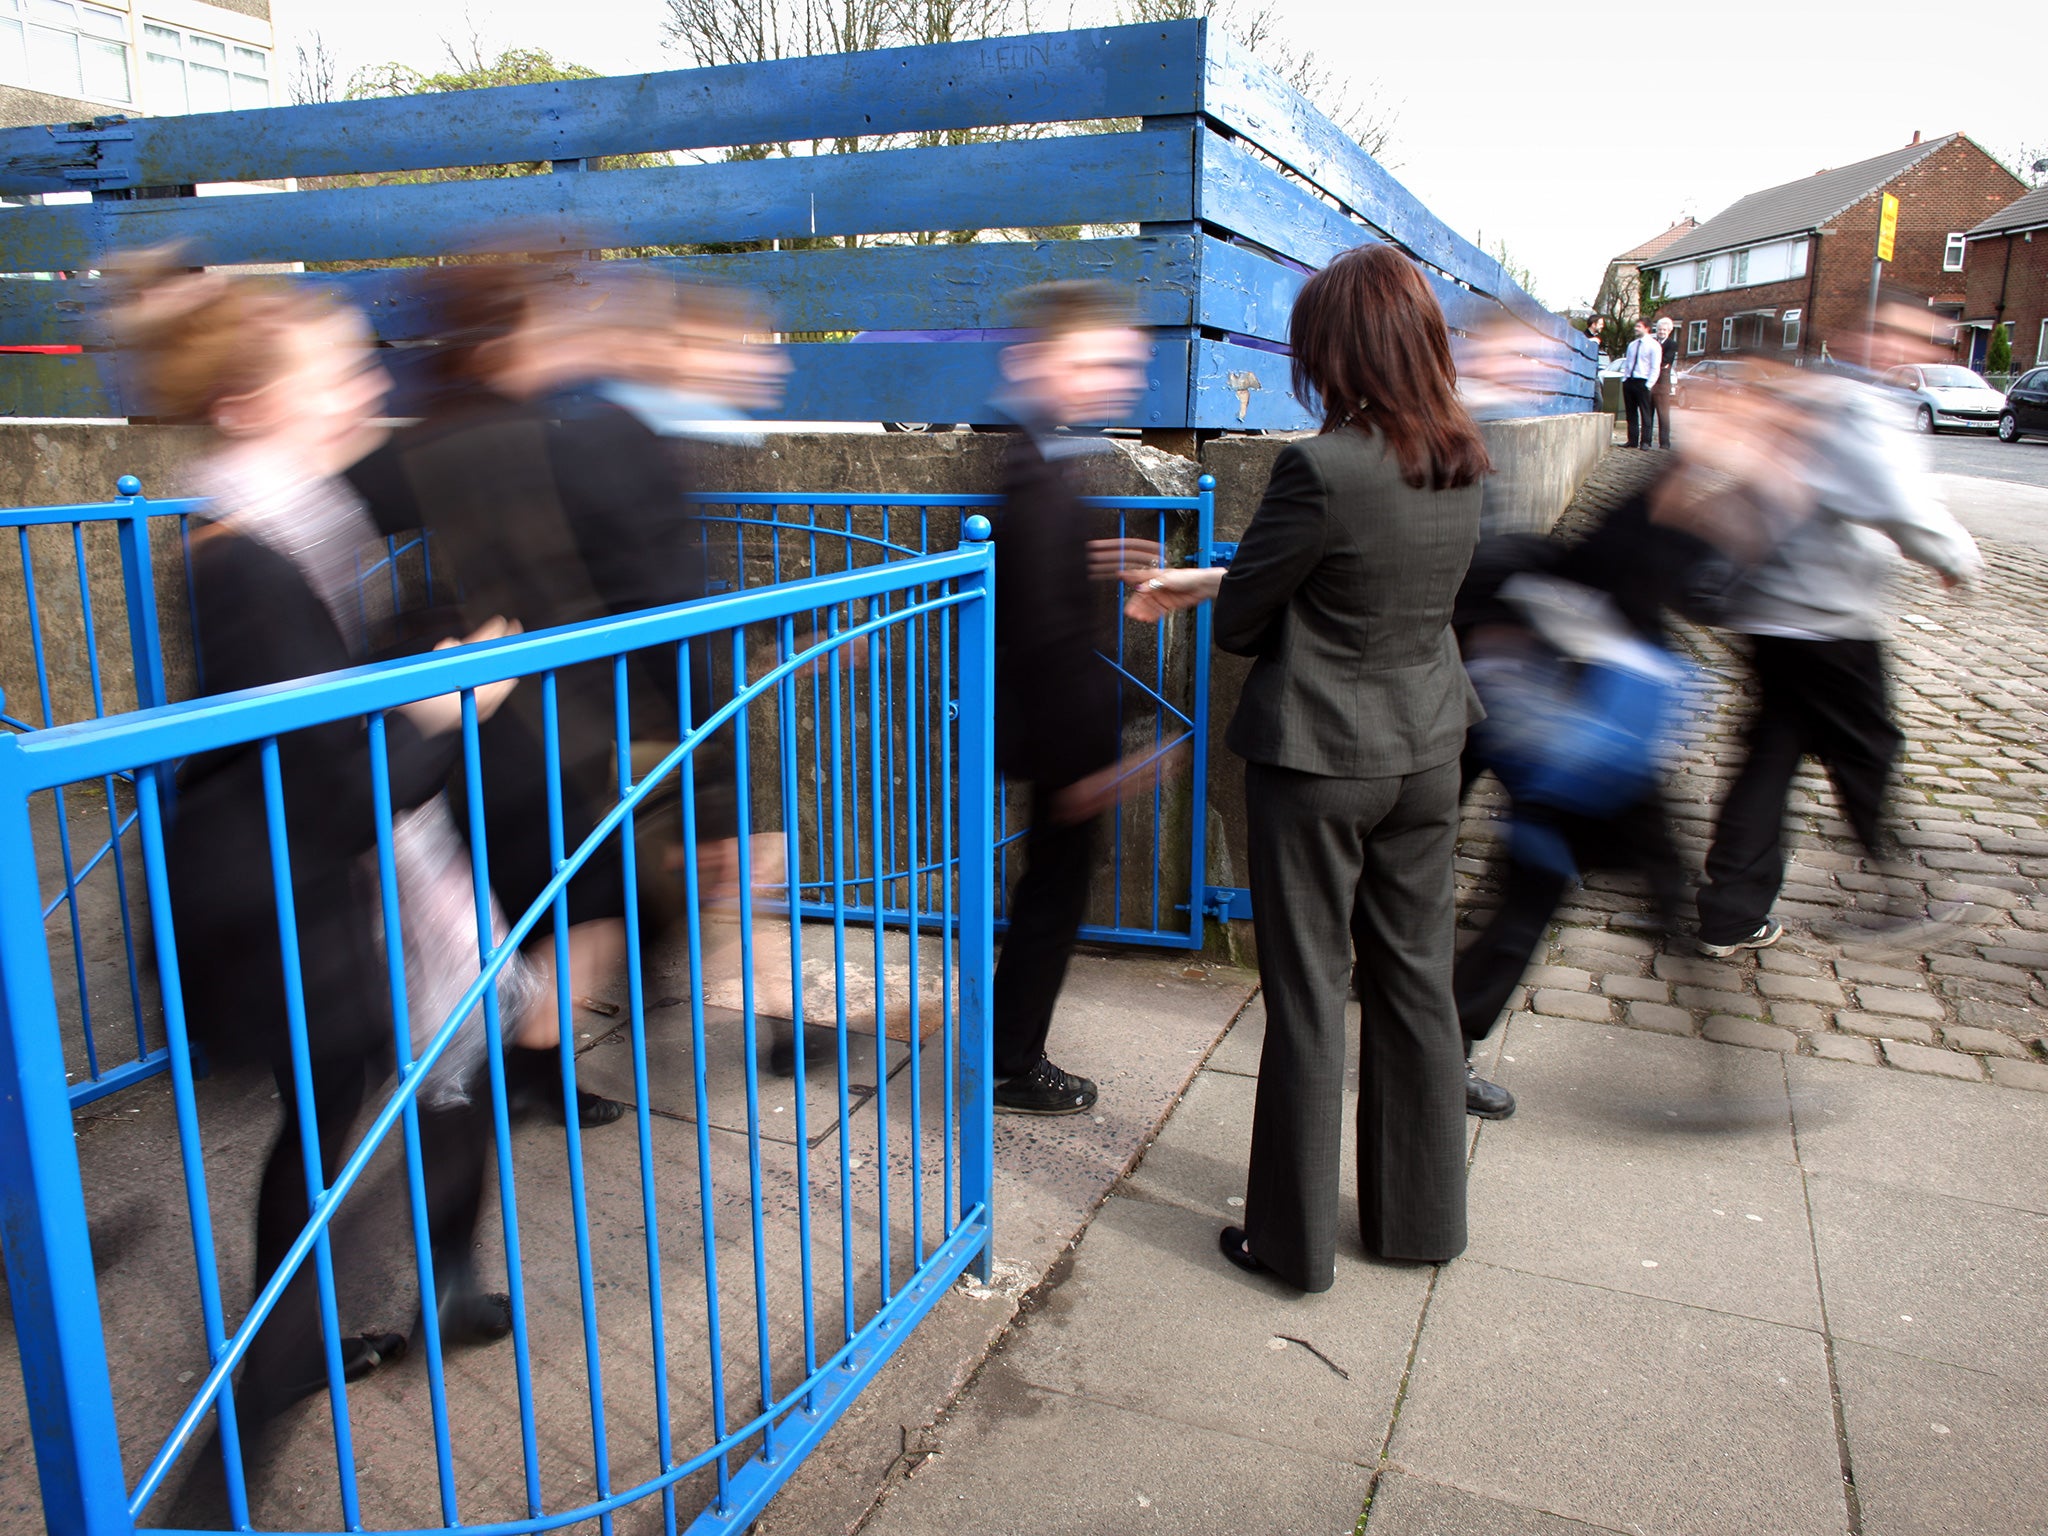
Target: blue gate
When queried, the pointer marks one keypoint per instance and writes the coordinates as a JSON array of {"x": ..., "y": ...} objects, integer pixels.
[{"x": 891, "y": 1128}]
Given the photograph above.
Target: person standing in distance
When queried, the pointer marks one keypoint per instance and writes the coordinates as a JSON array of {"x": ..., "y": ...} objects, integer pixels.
[
  {"x": 1667, "y": 380},
  {"x": 1057, "y": 725},
  {"x": 1639, "y": 370}
]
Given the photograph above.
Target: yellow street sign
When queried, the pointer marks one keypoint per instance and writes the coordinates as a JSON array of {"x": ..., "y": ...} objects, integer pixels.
[{"x": 1887, "y": 227}]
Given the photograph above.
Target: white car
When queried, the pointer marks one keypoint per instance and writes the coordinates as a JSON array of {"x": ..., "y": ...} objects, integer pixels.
[{"x": 1947, "y": 395}]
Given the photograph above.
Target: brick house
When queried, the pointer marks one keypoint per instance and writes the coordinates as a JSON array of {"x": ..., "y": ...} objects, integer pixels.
[
  {"x": 2006, "y": 267},
  {"x": 1788, "y": 269},
  {"x": 1619, "y": 299}
]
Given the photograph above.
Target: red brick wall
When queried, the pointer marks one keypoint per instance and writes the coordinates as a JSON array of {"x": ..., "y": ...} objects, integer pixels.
[
  {"x": 2024, "y": 286},
  {"x": 1950, "y": 190}
]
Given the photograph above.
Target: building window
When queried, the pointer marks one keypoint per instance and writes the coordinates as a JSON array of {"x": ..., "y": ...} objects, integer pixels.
[
  {"x": 1728, "y": 334},
  {"x": 2041, "y": 347},
  {"x": 1696, "y": 336},
  {"x": 190, "y": 72},
  {"x": 1703, "y": 275},
  {"x": 1791, "y": 337},
  {"x": 70, "y": 50},
  {"x": 1952, "y": 253},
  {"x": 1738, "y": 269}
]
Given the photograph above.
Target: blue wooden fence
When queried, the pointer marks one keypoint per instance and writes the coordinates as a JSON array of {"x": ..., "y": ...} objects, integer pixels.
[{"x": 1220, "y": 186}]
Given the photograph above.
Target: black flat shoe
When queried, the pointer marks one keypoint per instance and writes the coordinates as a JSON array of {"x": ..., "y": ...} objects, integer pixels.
[
  {"x": 1488, "y": 1101},
  {"x": 366, "y": 1352},
  {"x": 593, "y": 1109},
  {"x": 1232, "y": 1241},
  {"x": 1044, "y": 1090}
]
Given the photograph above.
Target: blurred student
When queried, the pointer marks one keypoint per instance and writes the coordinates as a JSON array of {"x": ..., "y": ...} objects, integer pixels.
[
  {"x": 1058, "y": 729},
  {"x": 1640, "y": 366},
  {"x": 286, "y": 381},
  {"x": 1838, "y": 486}
]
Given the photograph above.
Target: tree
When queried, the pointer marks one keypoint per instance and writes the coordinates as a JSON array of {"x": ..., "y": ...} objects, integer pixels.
[
  {"x": 313, "y": 74},
  {"x": 1363, "y": 112},
  {"x": 1998, "y": 355},
  {"x": 2023, "y": 157},
  {"x": 1520, "y": 274}
]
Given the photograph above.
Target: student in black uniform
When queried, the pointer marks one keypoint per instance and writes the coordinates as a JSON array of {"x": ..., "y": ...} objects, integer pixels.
[{"x": 287, "y": 382}]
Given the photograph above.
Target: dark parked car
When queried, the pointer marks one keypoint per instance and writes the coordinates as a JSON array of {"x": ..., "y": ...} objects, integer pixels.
[
  {"x": 1945, "y": 395},
  {"x": 2026, "y": 407},
  {"x": 1704, "y": 383}
]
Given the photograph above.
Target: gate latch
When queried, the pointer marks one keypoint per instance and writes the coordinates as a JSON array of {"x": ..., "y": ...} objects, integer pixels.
[{"x": 1227, "y": 903}]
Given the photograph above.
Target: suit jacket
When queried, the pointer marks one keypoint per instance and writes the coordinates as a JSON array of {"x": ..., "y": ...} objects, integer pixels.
[
  {"x": 1669, "y": 371},
  {"x": 1056, "y": 698},
  {"x": 1342, "y": 590}
]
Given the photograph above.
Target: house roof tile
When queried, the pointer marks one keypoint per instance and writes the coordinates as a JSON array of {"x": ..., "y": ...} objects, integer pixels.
[
  {"x": 1798, "y": 206},
  {"x": 2028, "y": 212}
]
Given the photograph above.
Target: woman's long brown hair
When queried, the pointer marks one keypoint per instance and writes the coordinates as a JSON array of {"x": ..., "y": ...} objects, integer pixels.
[{"x": 1370, "y": 345}]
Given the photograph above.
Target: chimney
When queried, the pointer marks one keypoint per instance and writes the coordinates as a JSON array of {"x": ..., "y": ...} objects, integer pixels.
[{"x": 1916, "y": 138}]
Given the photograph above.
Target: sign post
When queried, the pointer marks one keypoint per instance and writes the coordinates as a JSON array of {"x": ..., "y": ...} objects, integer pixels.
[{"x": 1887, "y": 238}]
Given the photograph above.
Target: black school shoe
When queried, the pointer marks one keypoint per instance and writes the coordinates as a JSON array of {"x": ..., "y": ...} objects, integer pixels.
[
  {"x": 1044, "y": 1090},
  {"x": 1487, "y": 1101}
]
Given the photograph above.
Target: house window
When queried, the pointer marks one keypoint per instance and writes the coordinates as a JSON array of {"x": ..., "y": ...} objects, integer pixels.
[
  {"x": 1696, "y": 336},
  {"x": 1791, "y": 337},
  {"x": 190, "y": 72},
  {"x": 1728, "y": 334},
  {"x": 70, "y": 50},
  {"x": 2041, "y": 347},
  {"x": 1739, "y": 269},
  {"x": 1703, "y": 275},
  {"x": 1952, "y": 253}
]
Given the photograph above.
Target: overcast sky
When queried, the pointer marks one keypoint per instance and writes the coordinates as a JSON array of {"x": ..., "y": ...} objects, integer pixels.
[{"x": 1506, "y": 129}]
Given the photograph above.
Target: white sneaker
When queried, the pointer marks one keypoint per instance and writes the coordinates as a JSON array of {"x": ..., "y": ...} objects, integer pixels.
[{"x": 1768, "y": 933}]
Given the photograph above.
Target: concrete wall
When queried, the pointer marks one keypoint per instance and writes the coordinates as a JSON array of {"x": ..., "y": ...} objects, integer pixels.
[{"x": 1539, "y": 466}]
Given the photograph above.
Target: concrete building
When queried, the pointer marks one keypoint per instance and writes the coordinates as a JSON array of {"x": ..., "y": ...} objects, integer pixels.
[
  {"x": 2005, "y": 267},
  {"x": 1788, "y": 269},
  {"x": 67, "y": 61}
]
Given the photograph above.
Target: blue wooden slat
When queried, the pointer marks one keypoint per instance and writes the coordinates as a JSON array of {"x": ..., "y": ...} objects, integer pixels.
[
  {"x": 1094, "y": 179},
  {"x": 950, "y": 381},
  {"x": 1223, "y": 369},
  {"x": 830, "y": 381},
  {"x": 1250, "y": 99},
  {"x": 1248, "y": 198},
  {"x": 73, "y": 384},
  {"x": 897, "y": 288},
  {"x": 1142, "y": 71}
]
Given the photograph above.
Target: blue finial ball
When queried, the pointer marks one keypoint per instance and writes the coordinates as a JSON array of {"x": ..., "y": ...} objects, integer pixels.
[
  {"x": 1206, "y": 483},
  {"x": 977, "y": 529},
  {"x": 128, "y": 485}
]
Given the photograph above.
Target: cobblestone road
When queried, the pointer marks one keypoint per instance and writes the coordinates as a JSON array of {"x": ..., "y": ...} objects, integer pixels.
[{"x": 1969, "y": 684}]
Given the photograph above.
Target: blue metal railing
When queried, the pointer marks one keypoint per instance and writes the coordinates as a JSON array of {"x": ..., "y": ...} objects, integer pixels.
[{"x": 914, "y": 1206}]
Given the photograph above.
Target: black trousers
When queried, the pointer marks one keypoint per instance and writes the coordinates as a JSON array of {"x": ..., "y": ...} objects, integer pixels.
[
  {"x": 1660, "y": 402},
  {"x": 1352, "y": 880},
  {"x": 1046, "y": 912},
  {"x": 1635, "y": 403},
  {"x": 286, "y": 1361},
  {"x": 1493, "y": 965},
  {"x": 1816, "y": 698}
]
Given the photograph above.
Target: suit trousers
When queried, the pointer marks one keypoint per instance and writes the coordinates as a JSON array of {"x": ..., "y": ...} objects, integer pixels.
[
  {"x": 1046, "y": 912},
  {"x": 1660, "y": 405},
  {"x": 1635, "y": 402},
  {"x": 1342, "y": 868},
  {"x": 1818, "y": 698}
]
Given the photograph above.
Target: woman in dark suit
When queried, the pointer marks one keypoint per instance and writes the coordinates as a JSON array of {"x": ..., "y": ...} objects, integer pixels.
[{"x": 1351, "y": 725}]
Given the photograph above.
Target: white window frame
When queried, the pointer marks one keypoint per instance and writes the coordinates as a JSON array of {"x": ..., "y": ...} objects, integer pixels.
[
  {"x": 108, "y": 40},
  {"x": 1791, "y": 321},
  {"x": 2041, "y": 346},
  {"x": 167, "y": 47},
  {"x": 1952, "y": 253},
  {"x": 1738, "y": 269},
  {"x": 1728, "y": 334},
  {"x": 1696, "y": 337},
  {"x": 1703, "y": 275}
]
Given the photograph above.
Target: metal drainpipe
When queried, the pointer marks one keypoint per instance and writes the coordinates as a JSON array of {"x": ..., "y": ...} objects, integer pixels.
[{"x": 1812, "y": 327}]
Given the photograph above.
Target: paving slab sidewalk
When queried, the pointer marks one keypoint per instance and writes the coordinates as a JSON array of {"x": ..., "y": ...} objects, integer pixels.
[{"x": 1762, "y": 1251}]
